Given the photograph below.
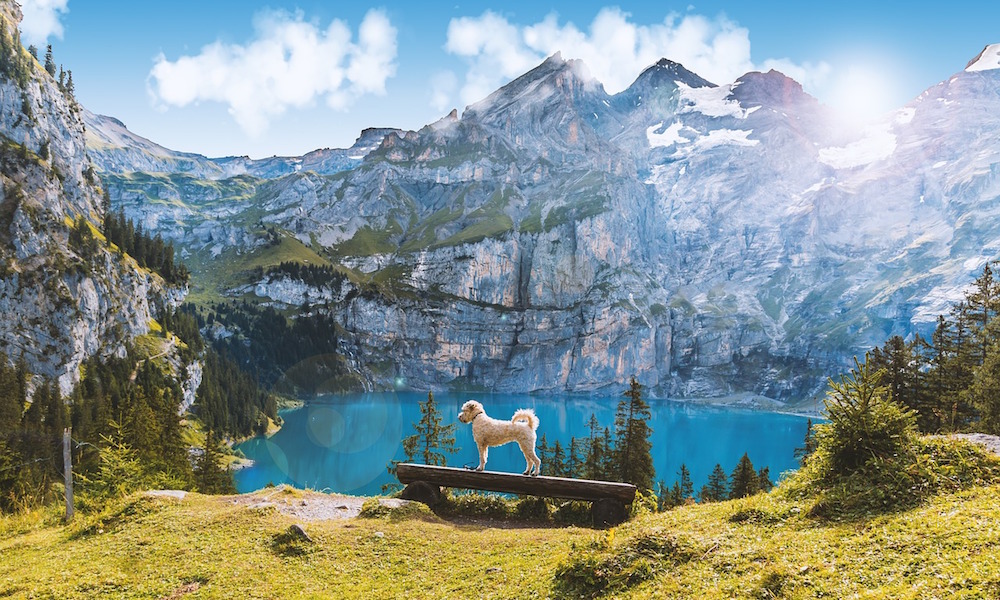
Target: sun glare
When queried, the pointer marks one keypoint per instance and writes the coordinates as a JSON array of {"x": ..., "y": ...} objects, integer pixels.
[{"x": 861, "y": 94}]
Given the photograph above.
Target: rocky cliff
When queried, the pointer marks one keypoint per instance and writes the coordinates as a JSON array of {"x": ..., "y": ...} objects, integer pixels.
[
  {"x": 63, "y": 297},
  {"x": 711, "y": 240}
]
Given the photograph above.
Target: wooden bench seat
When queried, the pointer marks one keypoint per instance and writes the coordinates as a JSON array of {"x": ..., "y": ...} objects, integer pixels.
[{"x": 610, "y": 501}]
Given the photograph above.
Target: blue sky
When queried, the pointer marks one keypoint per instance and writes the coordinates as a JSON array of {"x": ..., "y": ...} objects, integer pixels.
[{"x": 280, "y": 77}]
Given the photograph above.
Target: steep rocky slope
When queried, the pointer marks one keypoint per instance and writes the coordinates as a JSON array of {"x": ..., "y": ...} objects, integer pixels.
[
  {"x": 63, "y": 299},
  {"x": 711, "y": 240}
]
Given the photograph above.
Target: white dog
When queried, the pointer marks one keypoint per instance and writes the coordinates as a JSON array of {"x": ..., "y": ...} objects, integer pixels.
[{"x": 488, "y": 432}]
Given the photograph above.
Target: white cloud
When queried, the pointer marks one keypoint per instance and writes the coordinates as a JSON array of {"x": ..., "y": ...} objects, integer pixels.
[
  {"x": 443, "y": 86},
  {"x": 290, "y": 63},
  {"x": 614, "y": 48},
  {"x": 41, "y": 20}
]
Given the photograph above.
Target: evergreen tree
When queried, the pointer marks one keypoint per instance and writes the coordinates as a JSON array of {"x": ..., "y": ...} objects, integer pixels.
[
  {"x": 544, "y": 453},
  {"x": 684, "y": 483},
  {"x": 432, "y": 440},
  {"x": 864, "y": 423},
  {"x": 717, "y": 488},
  {"x": 633, "y": 449},
  {"x": 209, "y": 475},
  {"x": 120, "y": 470},
  {"x": 558, "y": 461},
  {"x": 744, "y": 481},
  {"x": 608, "y": 465},
  {"x": 809, "y": 444},
  {"x": 50, "y": 65},
  {"x": 574, "y": 464},
  {"x": 594, "y": 451},
  {"x": 764, "y": 482},
  {"x": 984, "y": 393},
  {"x": 11, "y": 400},
  {"x": 978, "y": 310},
  {"x": 33, "y": 51}
]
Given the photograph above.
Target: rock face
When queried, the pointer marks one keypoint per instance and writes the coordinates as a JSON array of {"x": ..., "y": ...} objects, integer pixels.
[
  {"x": 710, "y": 240},
  {"x": 60, "y": 304}
]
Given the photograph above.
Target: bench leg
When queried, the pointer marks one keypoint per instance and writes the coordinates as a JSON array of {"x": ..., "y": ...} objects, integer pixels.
[
  {"x": 421, "y": 491},
  {"x": 608, "y": 512}
]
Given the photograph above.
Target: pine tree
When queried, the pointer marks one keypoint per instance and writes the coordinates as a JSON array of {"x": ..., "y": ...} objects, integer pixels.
[
  {"x": 808, "y": 445},
  {"x": 11, "y": 401},
  {"x": 558, "y": 461},
  {"x": 432, "y": 440},
  {"x": 50, "y": 65},
  {"x": 743, "y": 481},
  {"x": 717, "y": 488},
  {"x": 684, "y": 482},
  {"x": 864, "y": 423},
  {"x": 979, "y": 309},
  {"x": 574, "y": 464},
  {"x": 543, "y": 452},
  {"x": 984, "y": 393},
  {"x": 633, "y": 449},
  {"x": 33, "y": 51},
  {"x": 764, "y": 482},
  {"x": 209, "y": 475},
  {"x": 594, "y": 451}
]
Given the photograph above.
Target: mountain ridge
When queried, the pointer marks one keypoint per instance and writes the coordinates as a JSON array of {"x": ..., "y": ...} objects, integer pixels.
[{"x": 712, "y": 240}]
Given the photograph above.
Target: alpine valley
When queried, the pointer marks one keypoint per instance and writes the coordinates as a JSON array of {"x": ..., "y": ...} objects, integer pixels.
[{"x": 712, "y": 240}]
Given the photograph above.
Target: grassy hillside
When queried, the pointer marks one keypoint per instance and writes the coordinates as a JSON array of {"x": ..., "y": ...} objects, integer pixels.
[{"x": 759, "y": 547}]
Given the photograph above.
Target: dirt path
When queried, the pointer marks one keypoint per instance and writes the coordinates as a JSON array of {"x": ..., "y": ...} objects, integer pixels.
[{"x": 306, "y": 505}]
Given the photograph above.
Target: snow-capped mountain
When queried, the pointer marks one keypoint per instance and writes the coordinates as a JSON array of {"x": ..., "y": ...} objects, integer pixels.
[{"x": 709, "y": 239}]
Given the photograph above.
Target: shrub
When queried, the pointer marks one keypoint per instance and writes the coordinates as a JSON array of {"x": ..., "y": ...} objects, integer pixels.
[{"x": 931, "y": 465}]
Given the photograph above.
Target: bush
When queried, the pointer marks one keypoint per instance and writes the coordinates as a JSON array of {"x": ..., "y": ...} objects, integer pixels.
[
  {"x": 931, "y": 465},
  {"x": 488, "y": 506}
]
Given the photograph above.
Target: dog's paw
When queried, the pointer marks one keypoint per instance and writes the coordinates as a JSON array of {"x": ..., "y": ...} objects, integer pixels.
[{"x": 479, "y": 468}]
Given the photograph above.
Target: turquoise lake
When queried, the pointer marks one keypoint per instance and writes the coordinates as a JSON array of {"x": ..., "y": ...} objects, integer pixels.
[{"x": 343, "y": 443}]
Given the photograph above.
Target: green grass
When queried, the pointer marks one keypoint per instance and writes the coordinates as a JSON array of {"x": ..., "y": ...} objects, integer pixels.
[{"x": 765, "y": 546}]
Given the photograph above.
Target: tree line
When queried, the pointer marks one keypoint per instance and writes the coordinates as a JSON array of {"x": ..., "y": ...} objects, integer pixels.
[
  {"x": 126, "y": 433},
  {"x": 951, "y": 381},
  {"x": 299, "y": 355},
  {"x": 150, "y": 252}
]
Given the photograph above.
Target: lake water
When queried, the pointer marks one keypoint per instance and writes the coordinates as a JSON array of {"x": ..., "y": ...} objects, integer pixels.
[{"x": 343, "y": 443}]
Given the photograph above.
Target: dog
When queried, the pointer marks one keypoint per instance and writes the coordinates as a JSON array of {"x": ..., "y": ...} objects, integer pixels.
[{"x": 489, "y": 432}]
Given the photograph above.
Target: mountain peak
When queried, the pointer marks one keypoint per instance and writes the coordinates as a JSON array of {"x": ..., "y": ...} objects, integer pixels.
[
  {"x": 773, "y": 88},
  {"x": 668, "y": 70},
  {"x": 986, "y": 60}
]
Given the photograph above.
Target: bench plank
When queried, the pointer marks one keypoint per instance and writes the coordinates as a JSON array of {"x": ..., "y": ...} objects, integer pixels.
[{"x": 551, "y": 487}]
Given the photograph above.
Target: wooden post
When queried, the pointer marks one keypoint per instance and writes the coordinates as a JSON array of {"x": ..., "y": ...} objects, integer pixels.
[{"x": 68, "y": 470}]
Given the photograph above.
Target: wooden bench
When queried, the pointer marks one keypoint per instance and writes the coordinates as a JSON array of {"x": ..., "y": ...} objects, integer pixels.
[{"x": 610, "y": 501}]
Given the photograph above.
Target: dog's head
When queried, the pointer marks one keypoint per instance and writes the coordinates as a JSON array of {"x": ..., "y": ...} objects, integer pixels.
[{"x": 469, "y": 411}]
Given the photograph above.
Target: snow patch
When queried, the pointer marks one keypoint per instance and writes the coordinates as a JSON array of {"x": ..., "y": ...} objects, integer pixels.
[
  {"x": 725, "y": 137},
  {"x": 939, "y": 164},
  {"x": 987, "y": 60},
  {"x": 669, "y": 137},
  {"x": 711, "y": 102},
  {"x": 877, "y": 144}
]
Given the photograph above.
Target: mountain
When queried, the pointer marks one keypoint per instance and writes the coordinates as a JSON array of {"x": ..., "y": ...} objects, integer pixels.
[
  {"x": 115, "y": 149},
  {"x": 713, "y": 240},
  {"x": 64, "y": 294}
]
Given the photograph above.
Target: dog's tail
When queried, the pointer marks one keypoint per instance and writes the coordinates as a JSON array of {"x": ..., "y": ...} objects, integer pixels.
[{"x": 527, "y": 415}]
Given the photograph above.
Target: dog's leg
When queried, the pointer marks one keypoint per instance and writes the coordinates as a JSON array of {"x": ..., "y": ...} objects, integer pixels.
[
  {"x": 532, "y": 460},
  {"x": 483, "y": 451}
]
